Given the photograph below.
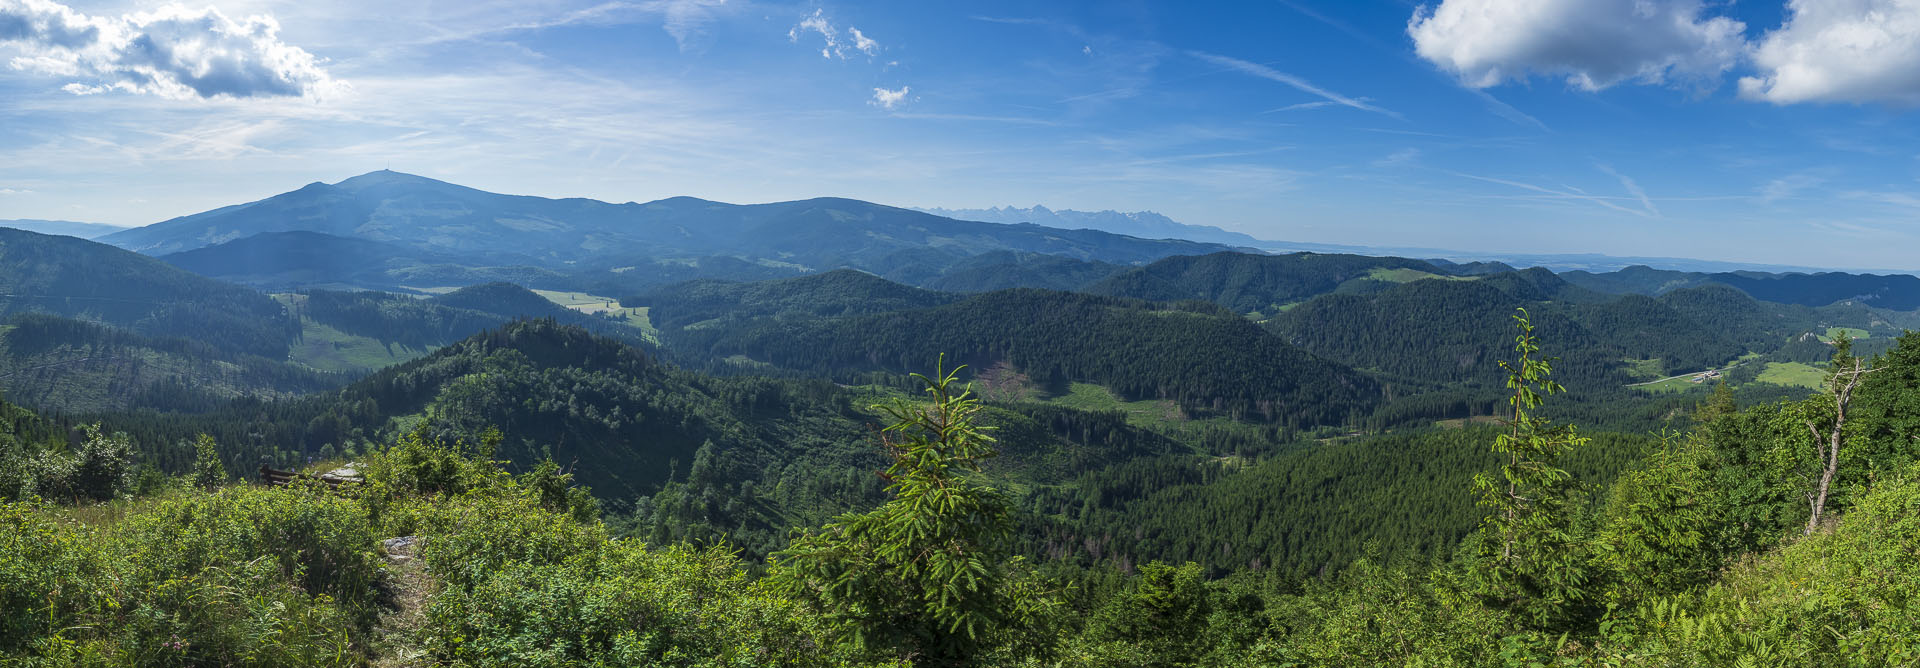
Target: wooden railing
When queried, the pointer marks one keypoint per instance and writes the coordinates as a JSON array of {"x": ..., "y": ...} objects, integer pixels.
[{"x": 272, "y": 477}]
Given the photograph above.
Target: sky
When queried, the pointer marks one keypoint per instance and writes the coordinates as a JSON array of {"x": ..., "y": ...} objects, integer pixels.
[{"x": 1753, "y": 131}]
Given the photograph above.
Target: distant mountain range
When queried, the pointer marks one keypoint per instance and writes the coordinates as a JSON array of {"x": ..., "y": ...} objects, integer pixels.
[
  {"x": 63, "y": 227},
  {"x": 424, "y": 224},
  {"x": 1143, "y": 224},
  {"x": 1150, "y": 225}
]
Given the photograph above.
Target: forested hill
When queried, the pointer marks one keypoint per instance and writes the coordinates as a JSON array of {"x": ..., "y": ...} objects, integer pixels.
[
  {"x": 1207, "y": 360},
  {"x": 1900, "y": 292},
  {"x": 1248, "y": 283},
  {"x": 621, "y": 417},
  {"x": 834, "y": 293},
  {"x": 64, "y": 365},
  {"x": 306, "y": 260},
  {"x": 91, "y": 281},
  {"x": 1438, "y": 331},
  {"x": 443, "y": 319}
]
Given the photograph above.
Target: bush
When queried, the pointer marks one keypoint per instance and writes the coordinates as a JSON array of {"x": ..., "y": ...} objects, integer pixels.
[
  {"x": 316, "y": 540},
  {"x": 524, "y": 586},
  {"x": 50, "y": 575}
]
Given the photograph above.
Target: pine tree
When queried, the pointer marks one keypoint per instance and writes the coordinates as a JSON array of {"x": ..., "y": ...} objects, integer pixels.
[
  {"x": 929, "y": 574},
  {"x": 1529, "y": 559}
]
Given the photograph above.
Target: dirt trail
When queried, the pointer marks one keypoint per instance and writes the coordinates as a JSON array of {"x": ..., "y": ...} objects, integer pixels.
[{"x": 393, "y": 634}]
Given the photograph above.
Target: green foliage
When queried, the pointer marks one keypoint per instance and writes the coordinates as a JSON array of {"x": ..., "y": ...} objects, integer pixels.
[
  {"x": 928, "y": 573},
  {"x": 208, "y": 472},
  {"x": 525, "y": 584},
  {"x": 239, "y": 577},
  {"x": 1528, "y": 553},
  {"x": 1163, "y": 612},
  {"x": 50, "y": 575},
  {"x": 1657, "y": 532}
]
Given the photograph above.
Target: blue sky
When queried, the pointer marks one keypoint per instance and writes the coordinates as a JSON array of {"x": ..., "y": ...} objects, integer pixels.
[{"x": 1756, "y": 131}]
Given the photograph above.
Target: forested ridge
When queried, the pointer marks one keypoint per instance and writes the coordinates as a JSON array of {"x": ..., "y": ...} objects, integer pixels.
[
  {"x": 998, "y": 534},
  {"x": 1203, "y": 358},
  {"x": 1224, "y": 460}
]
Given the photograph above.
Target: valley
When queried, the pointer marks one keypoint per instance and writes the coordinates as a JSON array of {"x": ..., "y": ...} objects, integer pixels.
[{"x": 1286, "y": 417}]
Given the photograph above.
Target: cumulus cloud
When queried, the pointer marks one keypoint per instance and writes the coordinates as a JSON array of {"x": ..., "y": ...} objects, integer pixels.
[
  {"x": 172, "y": 52},
  {"x": 889, "y": 99},
  {"x": 11, "y": 191},
  {"x": 1594, "y": 44},
  {"x": 1840, "y": 51},
  {"x": 835, "y": 46},
  {"x": 861, "y": 42}
]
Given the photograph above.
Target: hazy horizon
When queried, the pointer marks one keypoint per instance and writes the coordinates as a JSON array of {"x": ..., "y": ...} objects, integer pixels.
[{"x": 1729, "y": 132}]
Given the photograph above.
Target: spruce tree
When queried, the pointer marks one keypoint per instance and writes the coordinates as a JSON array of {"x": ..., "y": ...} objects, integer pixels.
[{"x": 1529, "y": 559}]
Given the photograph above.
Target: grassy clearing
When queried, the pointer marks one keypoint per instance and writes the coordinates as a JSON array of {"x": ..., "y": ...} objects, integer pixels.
[
  {"x": 1794, "y": 374},
  {"x": 1461, "y": 423},
  {"x": 635, "y": 317},
  {"x": 1673, "y": 385},
  {"x": 430, "y": 291},
  {"x": 1833, "y": 333},
  {"x": 1410, "y": 275},
  {"x": 580, "y": 301},
  {"x": 1644, "y": 370},
  {"x": 327, "y": 349},
  {"x": 1090, "y": 397}
]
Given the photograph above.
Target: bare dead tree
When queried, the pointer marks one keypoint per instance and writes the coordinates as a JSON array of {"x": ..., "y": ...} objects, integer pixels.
[{"x": 1827, "y": 446}]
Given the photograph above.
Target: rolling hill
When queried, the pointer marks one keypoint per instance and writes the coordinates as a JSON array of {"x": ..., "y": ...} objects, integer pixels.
[
  {"x": 1900, "y": 292},
  {"x": 1204, "y": 359},
  {"x": 82, "y": 279},
  {"x": 1246, "y": 283}
]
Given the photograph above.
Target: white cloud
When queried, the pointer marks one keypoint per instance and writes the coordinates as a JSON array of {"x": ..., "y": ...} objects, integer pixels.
[
  {"x": 172, "y": 52},
  {"x": 861, "y": 42},
  {"x": 1593, "y": 43},
  {"x": 1303, "y": 106},
  {"x": 1840, "y": 51},
  {"x": 11, "y": 191},
  {"x": 1270, "y": 74},
  {"x": 835, "y": 46},
  {"x": 889, "y": 99}
]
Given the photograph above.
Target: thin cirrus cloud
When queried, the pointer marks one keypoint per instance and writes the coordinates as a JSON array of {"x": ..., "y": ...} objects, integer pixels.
[
  {"x": 1270, "y": 74},
  {"x": 171, "y": 52},
  {"x": 1594, "y": 44}
]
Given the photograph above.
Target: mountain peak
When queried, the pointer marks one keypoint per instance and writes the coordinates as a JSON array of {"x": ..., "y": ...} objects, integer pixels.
[{"x": 386, "y": 177}]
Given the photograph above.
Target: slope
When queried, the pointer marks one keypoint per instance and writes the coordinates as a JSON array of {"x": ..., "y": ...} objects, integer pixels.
[
  {"x": 1208, "y": 361},
  {"x": 1247, "y": 283},
  {"x": 93, "y": 281}
]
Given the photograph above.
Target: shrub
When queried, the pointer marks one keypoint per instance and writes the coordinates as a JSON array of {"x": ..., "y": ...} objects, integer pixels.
[
  {"x": 315, "y": 539},
  {"x": 50, "y": 575}
]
